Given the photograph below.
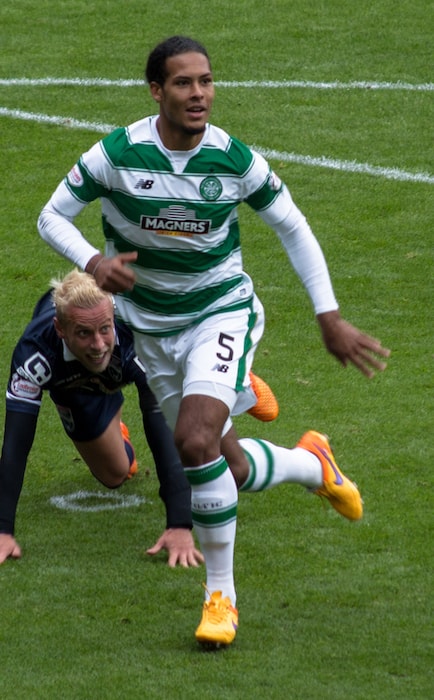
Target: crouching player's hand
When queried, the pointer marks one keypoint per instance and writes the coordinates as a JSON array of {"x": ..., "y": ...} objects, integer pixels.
[
  {"x": 179, "y": 544},
  {"x": 9, "y": 547}
]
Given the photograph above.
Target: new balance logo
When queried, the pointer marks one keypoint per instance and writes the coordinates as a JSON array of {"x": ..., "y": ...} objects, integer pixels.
[
  {"x": 143, "y": 184},
  {"x": 220, "y": 368}
]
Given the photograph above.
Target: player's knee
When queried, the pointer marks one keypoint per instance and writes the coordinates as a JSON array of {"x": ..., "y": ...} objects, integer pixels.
[
  {"x": 115, "y": 483},
  {"x": 196, "y": 448},
  {"x": 111, "y": 480}
]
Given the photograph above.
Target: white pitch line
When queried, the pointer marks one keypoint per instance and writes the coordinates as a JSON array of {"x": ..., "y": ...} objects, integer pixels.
[
  {"x": 303, "y": 84},
  {"x": 321, "y": 161},
  {"x": 333, "y": 85},
  {"x": 349, "y": 166},
  {"x": 56, "y": 120},
  {"x": 77, "y": 501}
]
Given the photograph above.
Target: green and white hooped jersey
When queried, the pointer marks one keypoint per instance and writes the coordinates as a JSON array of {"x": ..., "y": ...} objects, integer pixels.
[{"x": 179, "y": 211}]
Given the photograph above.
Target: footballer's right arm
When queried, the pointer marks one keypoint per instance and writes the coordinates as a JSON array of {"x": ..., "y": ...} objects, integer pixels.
[{"x": 18, "y": 439}]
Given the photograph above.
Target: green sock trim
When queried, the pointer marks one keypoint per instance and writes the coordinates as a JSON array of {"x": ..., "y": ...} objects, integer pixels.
[
  {"x": 269, "y": 468},
  {"x": 201, "y": 475},
  {"x": 252, "y": 475},
  {"x": 215, "y": 518}
]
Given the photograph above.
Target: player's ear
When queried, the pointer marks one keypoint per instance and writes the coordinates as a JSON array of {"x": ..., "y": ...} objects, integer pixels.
[
  {"x": 156, "y": 91},
  {"x": 58, "y": 327}
]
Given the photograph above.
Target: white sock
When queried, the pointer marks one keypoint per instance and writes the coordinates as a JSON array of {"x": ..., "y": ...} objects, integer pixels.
[
  {"x": 271, "y": 465},
  {"x": 214, "y": 499}
]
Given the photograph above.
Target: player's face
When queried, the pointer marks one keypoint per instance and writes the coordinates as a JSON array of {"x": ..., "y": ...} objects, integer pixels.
[
  {"x": 185, "y": 100},
  {"x": 89, "y": 334}
]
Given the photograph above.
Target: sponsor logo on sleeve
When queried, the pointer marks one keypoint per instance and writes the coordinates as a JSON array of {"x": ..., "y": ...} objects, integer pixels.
[
  {"x": 74, "y": 177},
  {"x": 274, "y": 182},
  {"x": 23, "y": 388}
]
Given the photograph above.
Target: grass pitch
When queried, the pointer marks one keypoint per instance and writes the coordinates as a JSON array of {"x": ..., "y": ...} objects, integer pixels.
[{"x": 328, "y": 609}]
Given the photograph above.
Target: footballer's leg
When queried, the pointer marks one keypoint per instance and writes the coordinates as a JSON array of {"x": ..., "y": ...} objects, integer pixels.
[
  {"x": 110, "y": 457},
  {"x": 266, "y": 408},
  {"x": 310, "y": 463},
  {"x": 93, "y": 423},
  {"x": 338, "y": 489}
]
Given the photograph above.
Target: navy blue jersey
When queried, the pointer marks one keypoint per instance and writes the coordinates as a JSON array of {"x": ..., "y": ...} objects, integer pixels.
[
  {"x": 42, "y": 362},
  {"x": 86, "y": 403}
]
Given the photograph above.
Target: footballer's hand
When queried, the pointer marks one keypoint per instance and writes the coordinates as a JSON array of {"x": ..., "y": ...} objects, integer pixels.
[
  {"x": 179, "y": 544},
  {"x": 113, "y": 274},
  {"x": 9, "y": 547},
  {"x": 348, "y": 344}
]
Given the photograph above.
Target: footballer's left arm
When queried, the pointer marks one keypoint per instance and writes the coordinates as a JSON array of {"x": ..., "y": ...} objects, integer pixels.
[{"x": 177, "y": 538}]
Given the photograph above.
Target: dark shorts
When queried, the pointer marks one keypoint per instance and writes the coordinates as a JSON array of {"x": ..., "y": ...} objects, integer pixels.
[{"x": 86, "y": 416}]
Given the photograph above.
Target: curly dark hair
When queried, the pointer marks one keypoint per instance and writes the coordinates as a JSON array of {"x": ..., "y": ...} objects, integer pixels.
[{"x": 155, "y": 71}]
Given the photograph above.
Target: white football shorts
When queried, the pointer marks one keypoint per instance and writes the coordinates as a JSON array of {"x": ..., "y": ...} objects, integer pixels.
[{"x": 212, "y": 358}]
